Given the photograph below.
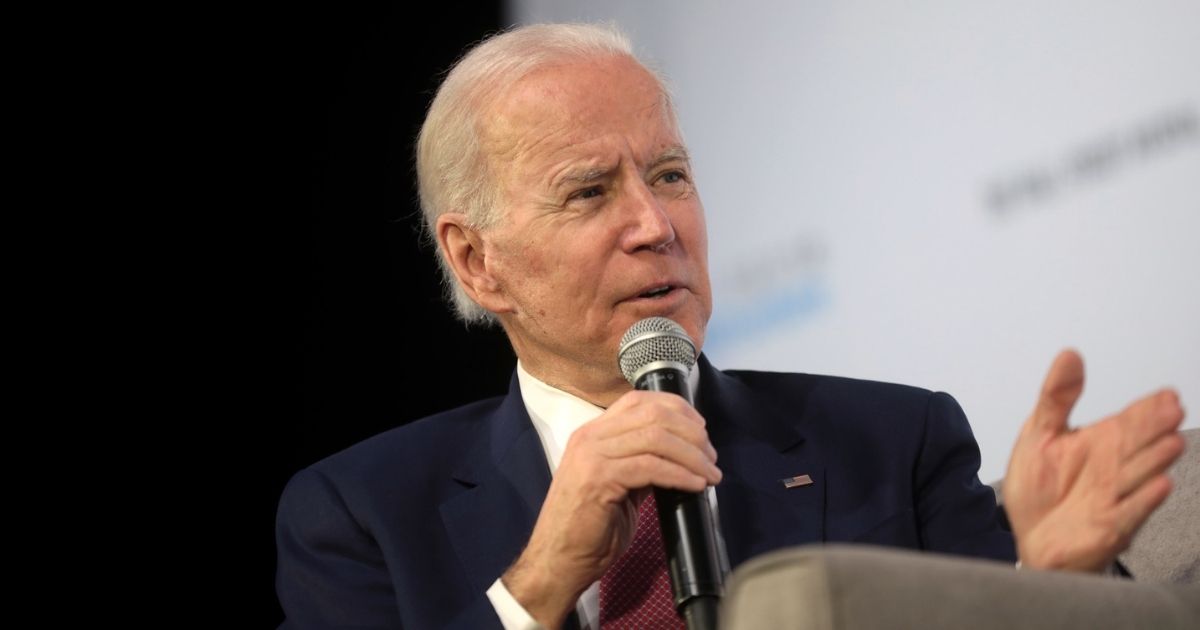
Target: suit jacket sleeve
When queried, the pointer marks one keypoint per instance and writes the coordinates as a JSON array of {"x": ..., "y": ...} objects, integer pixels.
[
  {"x": 331, "y": 572},
  {"x": 955, "y": 512}
]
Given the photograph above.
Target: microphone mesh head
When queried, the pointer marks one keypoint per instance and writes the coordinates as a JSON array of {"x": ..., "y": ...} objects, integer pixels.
[{"x": 654, "y": 339}]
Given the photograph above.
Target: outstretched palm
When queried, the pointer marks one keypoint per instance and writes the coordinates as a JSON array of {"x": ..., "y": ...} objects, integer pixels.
[{"x": 1076, "y": 497}]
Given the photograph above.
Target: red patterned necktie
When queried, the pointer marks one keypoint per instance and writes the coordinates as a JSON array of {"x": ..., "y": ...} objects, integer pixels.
[{"x": 635, "y": 592}]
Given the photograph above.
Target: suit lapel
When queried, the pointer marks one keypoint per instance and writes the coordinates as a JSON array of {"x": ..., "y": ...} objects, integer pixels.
[
  {"x": 758, "y": 446},
  {"x": 505, "y": 479}
]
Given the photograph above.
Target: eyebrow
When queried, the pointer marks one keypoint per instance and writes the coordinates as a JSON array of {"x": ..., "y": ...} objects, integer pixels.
[
  {"x": 589, "y": 175},
  {"x": 674, "y": 154},
  {"x": 581, "y": 177}
]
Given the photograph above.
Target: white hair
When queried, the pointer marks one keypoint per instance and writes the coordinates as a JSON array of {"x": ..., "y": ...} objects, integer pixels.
[{"x": 452, "y": 171}]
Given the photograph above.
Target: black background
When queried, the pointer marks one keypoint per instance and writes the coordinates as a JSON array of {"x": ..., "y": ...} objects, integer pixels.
[{"x": 369, "y": 343}]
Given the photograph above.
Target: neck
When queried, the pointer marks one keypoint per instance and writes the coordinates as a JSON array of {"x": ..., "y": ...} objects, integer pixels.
[{"x": 601, "y": 387}]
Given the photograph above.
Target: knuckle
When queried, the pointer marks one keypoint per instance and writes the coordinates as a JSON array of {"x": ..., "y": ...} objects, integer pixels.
[
  {"x": 638, "y": 465},
  {"x": 654, "y": 434},
  {"x": 583, "y": 433},
  {"x": 695, "y": 434},
  {"x": 639, "y": 396},
  {"x": 646, "y": 466}
]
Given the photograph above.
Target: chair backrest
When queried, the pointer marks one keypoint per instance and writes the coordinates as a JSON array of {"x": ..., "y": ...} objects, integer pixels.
[{"x": 1167, "y": 548}]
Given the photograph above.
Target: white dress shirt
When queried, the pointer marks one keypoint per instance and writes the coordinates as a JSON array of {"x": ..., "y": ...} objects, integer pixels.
[{"x": 556, "y": 414}]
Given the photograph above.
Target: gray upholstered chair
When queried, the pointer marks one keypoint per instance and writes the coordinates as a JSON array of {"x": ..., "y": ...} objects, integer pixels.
[
  {"x": 1167, "y": 548},
  {"x": 867, "y": 587}
]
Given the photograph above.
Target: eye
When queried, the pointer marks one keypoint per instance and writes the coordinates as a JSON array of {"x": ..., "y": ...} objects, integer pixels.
[
  {"x": 672, "y": 177},
  {"x": 588, "y": 193}
]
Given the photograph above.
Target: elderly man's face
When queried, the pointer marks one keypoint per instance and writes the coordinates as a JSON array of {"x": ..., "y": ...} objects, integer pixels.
[{"x": 601, "y": 221}]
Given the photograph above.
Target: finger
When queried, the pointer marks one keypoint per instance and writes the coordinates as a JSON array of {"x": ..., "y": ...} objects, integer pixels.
[
  {"x": 1137, "y": 507},
  {"x": 677, "y": 417},
  {"x": 1148, "y": 419},
  {"x": 660, "y": 442},
  {"x": 639, "y": 437},
  {"x": 1060, "y": 390},
  {"x": 635, "y": 407},
  {"x": 648, "y": 470},
  {"x": 1148, "y": 463}
]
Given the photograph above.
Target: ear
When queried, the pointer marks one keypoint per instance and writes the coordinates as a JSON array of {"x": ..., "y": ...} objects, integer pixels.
[{"x": 465, "y": 250}]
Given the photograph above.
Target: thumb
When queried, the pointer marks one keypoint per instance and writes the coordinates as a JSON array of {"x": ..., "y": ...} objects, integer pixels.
[{"x": 1060, "y": 390}]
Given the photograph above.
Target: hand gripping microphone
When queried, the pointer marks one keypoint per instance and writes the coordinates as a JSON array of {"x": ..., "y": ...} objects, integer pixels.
[{"x": 656, "y": 355}]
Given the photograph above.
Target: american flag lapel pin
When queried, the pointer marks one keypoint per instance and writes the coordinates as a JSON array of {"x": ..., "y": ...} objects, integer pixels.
[{"x": 797, "y": 481}]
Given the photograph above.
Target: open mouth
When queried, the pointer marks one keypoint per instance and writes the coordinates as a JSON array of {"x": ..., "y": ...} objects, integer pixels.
[{"x": 657, "y": 292}]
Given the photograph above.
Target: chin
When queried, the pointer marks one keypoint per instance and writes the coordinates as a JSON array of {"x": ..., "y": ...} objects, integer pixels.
[{"x": 696, "y": 330}]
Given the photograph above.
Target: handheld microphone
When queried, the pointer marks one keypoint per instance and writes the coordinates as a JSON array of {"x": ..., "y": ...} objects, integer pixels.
[{"x": 656, "y": 354}]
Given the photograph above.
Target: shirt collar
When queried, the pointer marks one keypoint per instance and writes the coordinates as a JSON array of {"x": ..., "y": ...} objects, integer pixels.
[{"x": 556, "y": 414}]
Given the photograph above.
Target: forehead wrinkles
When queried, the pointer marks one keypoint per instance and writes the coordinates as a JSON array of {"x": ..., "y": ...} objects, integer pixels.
[
  {"x": 555, "y": 109},
  {"x": 506, "y": 141}
]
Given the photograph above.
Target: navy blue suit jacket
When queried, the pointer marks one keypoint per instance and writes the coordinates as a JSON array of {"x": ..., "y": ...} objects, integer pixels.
[{"x": 410, "y": 528}]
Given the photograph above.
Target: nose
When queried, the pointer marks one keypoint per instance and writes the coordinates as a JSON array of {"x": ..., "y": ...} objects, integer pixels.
[{"x": 648, "y": 225}]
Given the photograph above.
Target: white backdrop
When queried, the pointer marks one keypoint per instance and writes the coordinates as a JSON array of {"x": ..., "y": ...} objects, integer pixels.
[{"x": 943, "y": 194}]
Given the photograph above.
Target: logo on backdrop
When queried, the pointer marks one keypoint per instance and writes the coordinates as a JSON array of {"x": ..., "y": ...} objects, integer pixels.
[
  {"x": 782, "y": 282},
  {"x": 1091, "y": 162}
]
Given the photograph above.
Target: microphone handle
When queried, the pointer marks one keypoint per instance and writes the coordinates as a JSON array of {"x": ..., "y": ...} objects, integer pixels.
[{"x": 697, "y": 581}]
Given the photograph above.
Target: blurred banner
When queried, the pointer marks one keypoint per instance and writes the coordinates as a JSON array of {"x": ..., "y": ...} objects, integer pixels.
[{"x": 943, "y": 194}]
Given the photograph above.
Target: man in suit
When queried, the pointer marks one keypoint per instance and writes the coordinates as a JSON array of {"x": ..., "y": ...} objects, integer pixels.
[{"x": 560, "y": 192}]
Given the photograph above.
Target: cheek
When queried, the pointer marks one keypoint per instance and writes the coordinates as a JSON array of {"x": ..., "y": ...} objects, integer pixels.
[
  {"x": 701, "y": 228},
  {"x": 547, "y": 276},
  {"x": 693, "y": 225}
]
